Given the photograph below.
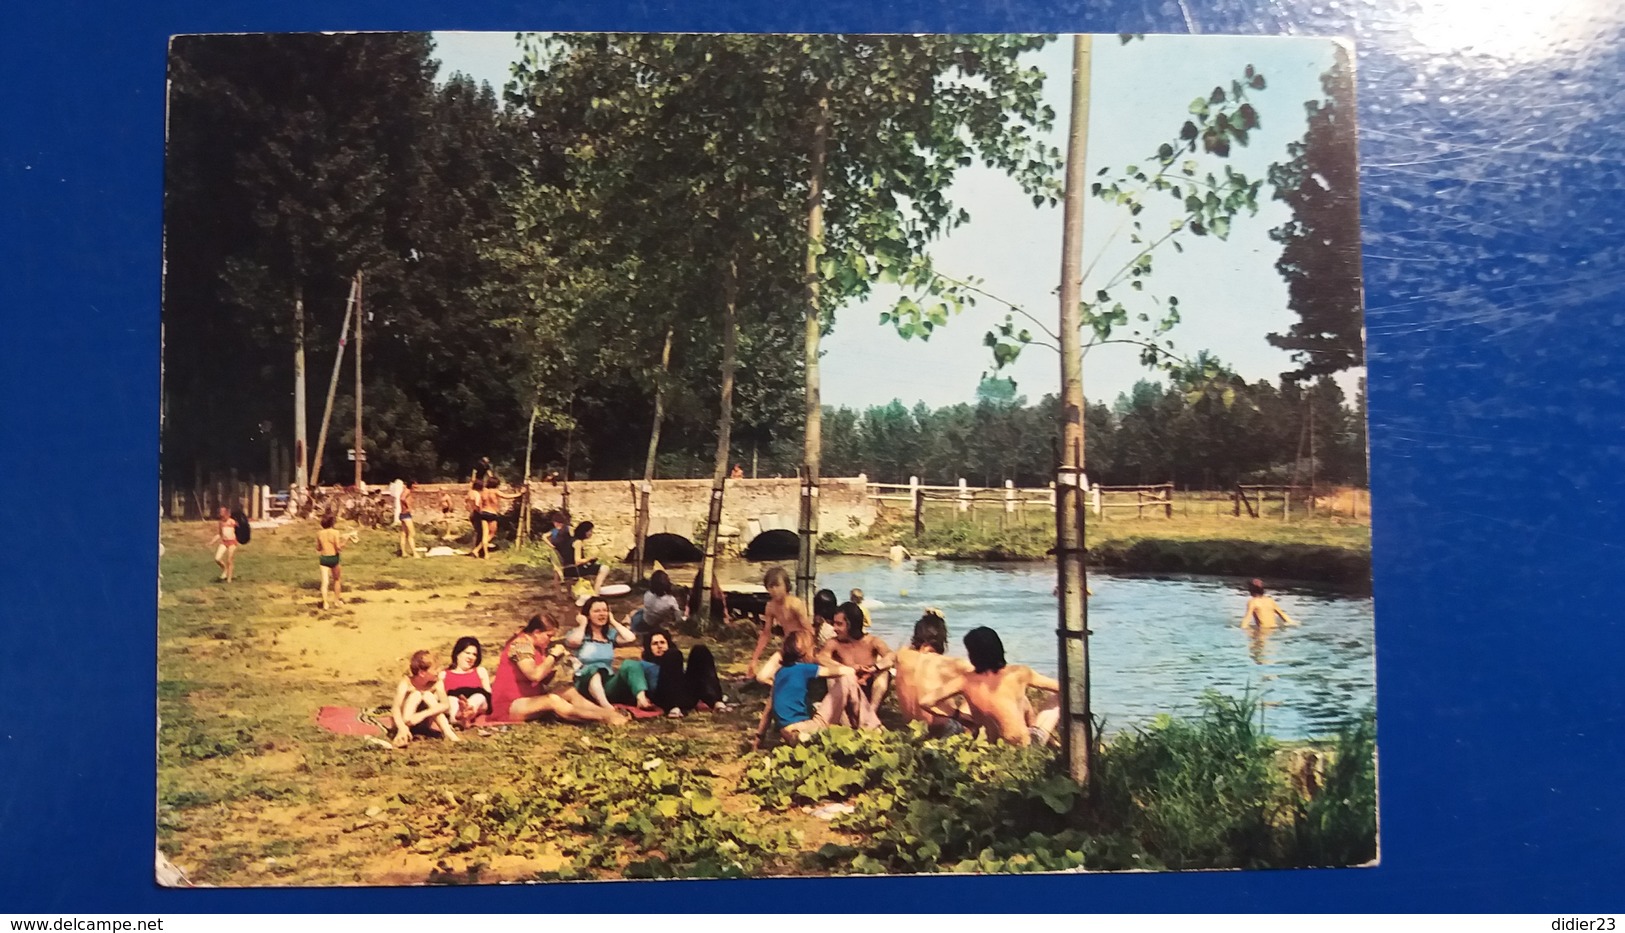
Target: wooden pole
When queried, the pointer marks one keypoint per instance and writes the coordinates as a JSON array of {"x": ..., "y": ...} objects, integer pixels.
[
  {"x": 812, "y": 445},
  {"x": 301, "y": 474},
  {"x": 360, "y": 448},
  {"x": 1071, "y": 573},
  {"x": 333, "y": 383}
]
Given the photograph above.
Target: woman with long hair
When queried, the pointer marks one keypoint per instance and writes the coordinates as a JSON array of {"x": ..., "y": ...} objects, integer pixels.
[{"x": 594, "y": 642}]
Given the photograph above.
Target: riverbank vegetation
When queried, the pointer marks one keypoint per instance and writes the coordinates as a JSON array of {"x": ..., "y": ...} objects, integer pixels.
[
  {"x": 1201, "y": 537},
  {"x": 251, "y": 792}
]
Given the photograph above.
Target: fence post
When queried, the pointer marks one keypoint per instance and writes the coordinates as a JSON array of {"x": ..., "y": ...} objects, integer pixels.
[
  {"x": 1095, "y": 495},
  {"x": 1286, "y": 504},
  {"x": 1168, "y": 510},
  {"x": 964, "y": 496},
  {"x": 1009, "y": 495},
  {"x": 917, "y": 498}
]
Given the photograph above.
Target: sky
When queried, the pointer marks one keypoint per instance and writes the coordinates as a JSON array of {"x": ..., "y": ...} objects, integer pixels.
[{"x": 1230, "y": 293}]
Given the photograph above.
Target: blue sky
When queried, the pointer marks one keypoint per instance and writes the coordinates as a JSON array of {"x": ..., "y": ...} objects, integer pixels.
[{"x": 1230, "y": 293}]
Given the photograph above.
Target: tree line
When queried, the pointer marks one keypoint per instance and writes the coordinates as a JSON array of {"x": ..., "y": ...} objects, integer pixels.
[
  {"x": 1287, "y": 432},
  {"x": 623, "y": 265}
]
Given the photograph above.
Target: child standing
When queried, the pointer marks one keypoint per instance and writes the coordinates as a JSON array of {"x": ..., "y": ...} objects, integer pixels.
[
  {"x": 328, "y": 545},
  {"x": 225, "y": 554}
]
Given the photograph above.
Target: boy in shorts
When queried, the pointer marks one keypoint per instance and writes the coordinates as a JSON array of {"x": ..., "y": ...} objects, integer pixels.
[{"x": 328, "y": 545}]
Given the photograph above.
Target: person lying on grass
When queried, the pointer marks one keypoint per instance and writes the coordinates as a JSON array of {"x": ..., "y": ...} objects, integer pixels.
[
  {"x": 922, "y": 668},
  {"x": 788, "y": 672},
  {"x": 466, "y": 684},
  {"x": 996, "y": 693},
  {"x": 787, "y": 612},
  {"x": 421, "y": 706},
  {"x": 520, "y": 691},
  {"x": 594, "y": 641},
  {"x": 854, "y": 647},
  {"x": 674, "y": 686}
]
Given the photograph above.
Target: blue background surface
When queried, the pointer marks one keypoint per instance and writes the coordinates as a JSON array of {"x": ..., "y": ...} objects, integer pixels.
[{"x": 1492, "y": 195}]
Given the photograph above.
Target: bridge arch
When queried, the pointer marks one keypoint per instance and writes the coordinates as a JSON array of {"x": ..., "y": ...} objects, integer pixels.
[
  {"x": 773, "y": 544},
  {"x": 669, "y": 548}
]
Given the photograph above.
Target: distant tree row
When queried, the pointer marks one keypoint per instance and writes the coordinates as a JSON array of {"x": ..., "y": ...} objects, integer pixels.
[{"x": 1152, "y": 434}]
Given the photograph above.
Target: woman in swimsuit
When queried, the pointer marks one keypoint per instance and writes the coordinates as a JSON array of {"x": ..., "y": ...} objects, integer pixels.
[
  {"x": 226, "y": 553},
  {"x": 409, "y": 541},
  {"x": 466, "y": 684}
]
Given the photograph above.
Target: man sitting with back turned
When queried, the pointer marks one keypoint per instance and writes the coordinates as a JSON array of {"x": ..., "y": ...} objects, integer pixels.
[{"x": 996, "y": 693}]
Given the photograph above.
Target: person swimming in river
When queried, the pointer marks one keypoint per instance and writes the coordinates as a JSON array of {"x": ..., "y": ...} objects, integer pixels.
[{"x": 1262, "y": 611}]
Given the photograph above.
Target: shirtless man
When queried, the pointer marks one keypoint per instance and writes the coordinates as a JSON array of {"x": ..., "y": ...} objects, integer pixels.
[
  {"x": 490, "y": 510},
  {"x": 922, "y": 668},
  {"x": 788, "y": 612},
  {"x": 854, "y": 647},
  {"x": 1262, "y": 611},
  {"x": 996, "y": 693},
  {"x": 521, "y": 690},
  {"x": 328, "y": 545},
  {"x": 420, "y": 703}
]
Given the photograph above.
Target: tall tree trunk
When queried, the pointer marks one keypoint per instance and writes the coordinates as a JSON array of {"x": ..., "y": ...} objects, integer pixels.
[
  {"x": 719, "y": 471},
  {"x": 333, "y": 383},
  {"x": 641, "y": 532},
  {"x": 1071, "y": 573},
  {"x": 360, "y": 448},
  {"x": 524, "y": 504},
  {"x": 301, "y": 477},
  {"x": 807, "y": 527}
]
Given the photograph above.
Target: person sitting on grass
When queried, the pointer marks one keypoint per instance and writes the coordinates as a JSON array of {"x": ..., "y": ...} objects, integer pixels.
[
  {"x": 661, "y": 611},
  {"x": 594, "y": 641},
  {"x": 996, "y": 693},
  {"x": 420, "y": 706},
  {"x": 854, "y": 647},
  {"x": 823, "y": 610},
  {"x": 328, "y": 545},
  {"x": 520, "y": 691},
  {"x": 1262, "y": 611},
  {"x": 923, "y": 667},
  {"x": 787, "y": 612},
  {"x": 789, "y": 671},
  {"x": 675, "y": 687},
  {"x": 583, "y": 564},
  {"x": 466, "y": 684}
]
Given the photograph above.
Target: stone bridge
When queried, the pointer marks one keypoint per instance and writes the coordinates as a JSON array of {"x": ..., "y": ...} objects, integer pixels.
[{"x": 758, "y": 515}]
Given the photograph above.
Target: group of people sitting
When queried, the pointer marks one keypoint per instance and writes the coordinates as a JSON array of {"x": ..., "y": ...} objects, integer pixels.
[{"x": 546, "y": 673}]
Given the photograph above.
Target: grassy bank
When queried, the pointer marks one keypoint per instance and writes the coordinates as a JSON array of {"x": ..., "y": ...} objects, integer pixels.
[
  {"x": 1332, "y": 549},
  {"x": 252, "y": 793}
]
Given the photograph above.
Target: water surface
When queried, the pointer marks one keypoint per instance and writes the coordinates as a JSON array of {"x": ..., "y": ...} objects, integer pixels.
[{"x": 1158, "y": 642}]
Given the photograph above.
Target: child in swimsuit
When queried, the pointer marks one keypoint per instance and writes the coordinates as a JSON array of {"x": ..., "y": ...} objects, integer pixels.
[
  {"x": 226, "y": 553},
  {"x": 409, "y": 542},
  {"x": 328, "y": 545}
]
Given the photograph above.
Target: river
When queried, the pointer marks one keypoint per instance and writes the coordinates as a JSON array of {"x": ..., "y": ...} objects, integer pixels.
[{"x": 1158, "y": 642}]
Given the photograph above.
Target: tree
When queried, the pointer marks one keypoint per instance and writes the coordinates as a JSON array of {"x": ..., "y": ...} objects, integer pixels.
[{"x": 1320, "y": 245}]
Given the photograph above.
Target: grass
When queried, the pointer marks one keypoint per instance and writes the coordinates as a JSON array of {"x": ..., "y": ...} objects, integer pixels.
[{"x": 251, "y": 792}]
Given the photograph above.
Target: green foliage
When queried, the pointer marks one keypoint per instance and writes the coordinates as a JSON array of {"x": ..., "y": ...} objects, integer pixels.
[
  {"x": 1202, "y": 794},
  {"x": 1338, "y": 825},
  {"x": 611, "y": 806}
]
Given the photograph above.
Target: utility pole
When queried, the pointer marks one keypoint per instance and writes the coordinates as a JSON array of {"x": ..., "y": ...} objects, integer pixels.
[
  {"x": 360, "y": 449},
  {"x": 301, "y": 475},
  {"x": 1071, "y": 574},
  {"x": 812, "y": 448},
  {"x": 333, "y": 384}
]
